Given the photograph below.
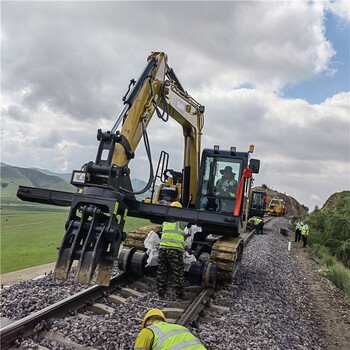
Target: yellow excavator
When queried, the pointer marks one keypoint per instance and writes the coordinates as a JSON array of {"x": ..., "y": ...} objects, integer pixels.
[{"x": 105, "y": 197}]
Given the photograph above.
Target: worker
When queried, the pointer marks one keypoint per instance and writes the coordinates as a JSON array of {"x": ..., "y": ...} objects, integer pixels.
[
  {"x": 156, "y": 333},
  {"x": 256, "y": 223},
  {"x": 259, "y": 225},
  {"x": 298, "y": 231},
  {"x": 304, "y": 233},
  {"x": 227, "y": 185},
  {"x": 170, "y": 256}
]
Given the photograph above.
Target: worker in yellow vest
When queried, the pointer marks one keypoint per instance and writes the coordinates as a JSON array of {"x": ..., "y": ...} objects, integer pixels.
[
  {"x": 304, "y": 233},
  {"x": 170, "y": 257},
  {"x": 156, "y": 333},
  {"x": 259, "y": 225}
]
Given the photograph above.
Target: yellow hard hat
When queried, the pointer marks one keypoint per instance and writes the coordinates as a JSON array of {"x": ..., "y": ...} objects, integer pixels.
[
  {"x": 176, "y": 204},
  {"x": 152, "y": 313}
]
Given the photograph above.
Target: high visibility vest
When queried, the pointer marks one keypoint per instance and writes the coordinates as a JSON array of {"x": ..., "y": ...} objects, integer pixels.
[
  {"x": 172, "y": 236},
  {"x": 225, "y": 187},
  {"x": 257, "y": 221},
  {"x": 305, "y": 230},
  {"x": 169, "y": 336},
  {"x": 231, "y": 183}
]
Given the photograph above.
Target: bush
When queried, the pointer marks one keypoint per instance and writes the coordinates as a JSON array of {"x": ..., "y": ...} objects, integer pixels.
[
  {"x": 340, "y": 276},
  {"x": 324, "y": 254},
  {"x": 334, "y": 271},
  {"x": 331, "y": 228}
]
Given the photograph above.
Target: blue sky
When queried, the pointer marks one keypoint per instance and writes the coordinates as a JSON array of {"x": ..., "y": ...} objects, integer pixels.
[
  {"x": 318, "y": 88},
  {"x": 262, "y": 69}
]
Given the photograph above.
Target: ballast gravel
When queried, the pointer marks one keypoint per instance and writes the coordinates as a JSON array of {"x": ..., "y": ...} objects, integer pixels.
[
  {"x": 268, "y": 306},
  {"x": 24, "y": 298}
]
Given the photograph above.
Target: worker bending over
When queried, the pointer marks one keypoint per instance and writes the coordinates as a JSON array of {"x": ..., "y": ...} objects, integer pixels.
[
  {"x": 257, "y": 223},
  {"x": 158, "y": 334}
]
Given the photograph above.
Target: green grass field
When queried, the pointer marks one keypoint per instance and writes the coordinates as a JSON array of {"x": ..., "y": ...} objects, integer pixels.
[{"x": 30, "y": 234}]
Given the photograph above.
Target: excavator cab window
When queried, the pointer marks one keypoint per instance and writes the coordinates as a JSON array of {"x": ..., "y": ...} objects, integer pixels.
[
  {"x": 258, "y": 200},
  {"x": 220, "y": 182}
]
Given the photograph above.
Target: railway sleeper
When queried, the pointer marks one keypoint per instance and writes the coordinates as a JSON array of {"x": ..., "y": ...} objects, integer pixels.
[
  {"x": 100, "y": 309},
  {"x": 63, "y": 340}
]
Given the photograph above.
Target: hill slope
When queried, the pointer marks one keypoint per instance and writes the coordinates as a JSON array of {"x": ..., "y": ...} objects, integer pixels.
[
  {"x": 11, "y": 177},
  {"x": 339, "y": 201},
  {"x": 294, "y": 207}
]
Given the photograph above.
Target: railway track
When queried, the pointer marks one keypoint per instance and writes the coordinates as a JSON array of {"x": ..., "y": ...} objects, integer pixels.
[{"x": 100, "y": 300}]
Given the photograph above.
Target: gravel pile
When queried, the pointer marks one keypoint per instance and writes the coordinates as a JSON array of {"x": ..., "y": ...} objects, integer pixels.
[{"x": 268, "y": 306}]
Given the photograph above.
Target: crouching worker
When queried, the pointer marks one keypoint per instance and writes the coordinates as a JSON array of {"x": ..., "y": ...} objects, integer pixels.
[
  {"x": 156, "y": 333},
  {"x": 259, "y": 225}
]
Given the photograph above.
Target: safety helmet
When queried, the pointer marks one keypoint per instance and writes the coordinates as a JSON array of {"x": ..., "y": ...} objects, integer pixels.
[
  {"x": 152, "y": 313},
  {"x": 176, "y": 204}
]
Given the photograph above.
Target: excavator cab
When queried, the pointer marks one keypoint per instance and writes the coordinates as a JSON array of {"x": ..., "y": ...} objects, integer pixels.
[
  {"x": 220, "y": 175},
  {"x": 258, "y": 203}
]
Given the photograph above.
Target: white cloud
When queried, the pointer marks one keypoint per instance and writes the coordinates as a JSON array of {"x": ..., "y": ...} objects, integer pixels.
[
  {"x": 340, "y": 8},
  {"x": 66, "y": 65}
]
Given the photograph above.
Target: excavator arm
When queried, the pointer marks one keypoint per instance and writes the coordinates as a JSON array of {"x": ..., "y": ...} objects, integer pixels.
[{"x": 158, "y": 90}]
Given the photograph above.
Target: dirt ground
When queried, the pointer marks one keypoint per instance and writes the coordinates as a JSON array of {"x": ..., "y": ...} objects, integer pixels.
[
  {"x": 26, "y": 274},
  {"x": 332, "y": 306}
]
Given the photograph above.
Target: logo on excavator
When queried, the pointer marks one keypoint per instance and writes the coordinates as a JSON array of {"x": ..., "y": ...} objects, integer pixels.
[{"x": 180, "y": 106}]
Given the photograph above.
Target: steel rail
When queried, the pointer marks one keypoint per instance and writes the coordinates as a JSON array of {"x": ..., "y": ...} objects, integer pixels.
[
  {"x": 198, "y": 304},
  {"x": 195, "y": 307},
  {"x": 26, "y": 326}
]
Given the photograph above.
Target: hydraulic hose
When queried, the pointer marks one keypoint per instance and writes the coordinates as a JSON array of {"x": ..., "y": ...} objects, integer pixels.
[{"x": 149, "y": 156}]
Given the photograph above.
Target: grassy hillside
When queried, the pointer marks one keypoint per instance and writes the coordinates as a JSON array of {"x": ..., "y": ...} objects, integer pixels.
[
  {"x": 331, "y": 226},
  {"x": 339, "y": 201},
  {"x": 65, "y": 176},
  {"x": 12, "y": 177},
  {"x": 330, "y": 237}
]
